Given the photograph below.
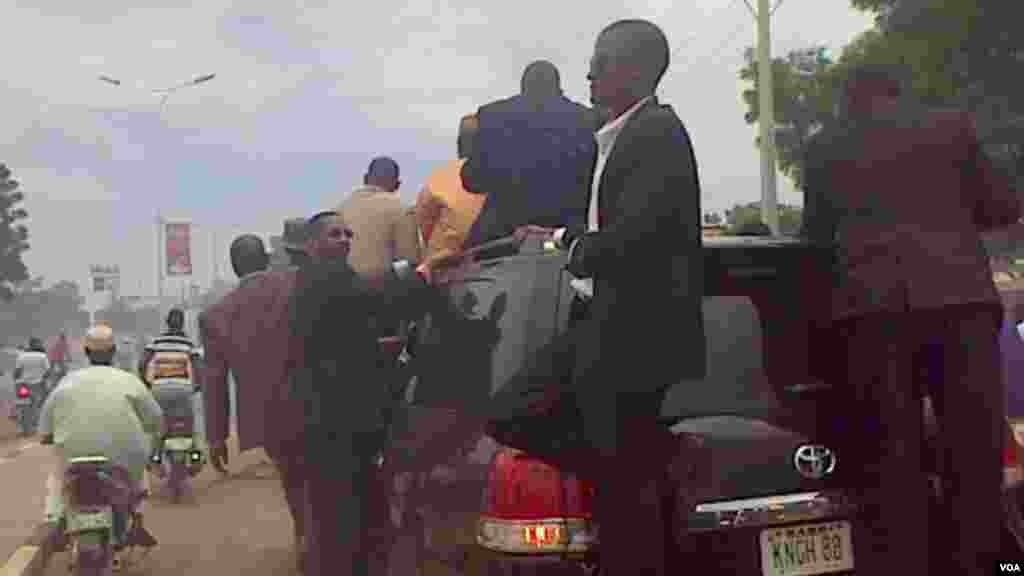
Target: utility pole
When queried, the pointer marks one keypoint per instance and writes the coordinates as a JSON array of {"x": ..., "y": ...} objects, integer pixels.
[
  {"x": 766, "y": 113},
  {"x": 160, "y": 263},
  {"x": 769, "y": 177}
]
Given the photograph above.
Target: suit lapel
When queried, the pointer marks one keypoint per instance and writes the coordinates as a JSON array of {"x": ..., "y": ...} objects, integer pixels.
[{"x": 612, "y": 168}]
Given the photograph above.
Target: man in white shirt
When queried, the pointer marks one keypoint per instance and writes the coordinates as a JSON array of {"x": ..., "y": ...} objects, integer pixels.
[
  {"x": 638, "y": 267},
  {"x": 32, "y": 365},
  {"x": 99, "y": 410}
]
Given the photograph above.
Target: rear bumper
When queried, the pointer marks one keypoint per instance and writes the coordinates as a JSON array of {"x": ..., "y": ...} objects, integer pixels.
[
  {"x": 725, "y": 536},
  {"x": 499, "y": 564}
]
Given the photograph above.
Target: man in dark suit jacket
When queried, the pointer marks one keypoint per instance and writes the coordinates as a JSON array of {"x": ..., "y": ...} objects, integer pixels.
[
  {"x": 339, "y": 374},
  {"x": 637, "y": 323},
  {"x": 531, "y": 158},
  {"x": 905, "y": 191}
]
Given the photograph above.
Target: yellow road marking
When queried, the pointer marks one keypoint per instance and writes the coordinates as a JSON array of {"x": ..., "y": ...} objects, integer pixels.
[{"x": 19, "y": 561}]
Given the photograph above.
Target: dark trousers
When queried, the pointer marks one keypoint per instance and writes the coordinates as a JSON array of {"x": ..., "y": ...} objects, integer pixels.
[
  {"x": 288, "y": 459},
  {"x": 883, "y": 432},
  {"x": 610, "y": 438},
  {"x": 346, "y": 510}
]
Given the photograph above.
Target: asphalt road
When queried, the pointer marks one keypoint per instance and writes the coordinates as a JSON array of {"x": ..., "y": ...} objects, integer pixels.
[
  {"x": 233, "y": 525},
  {"x": 24, "y": 466}
]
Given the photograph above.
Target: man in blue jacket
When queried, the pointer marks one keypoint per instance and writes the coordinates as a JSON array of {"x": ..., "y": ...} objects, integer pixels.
[{"x": 532, "y": 159}]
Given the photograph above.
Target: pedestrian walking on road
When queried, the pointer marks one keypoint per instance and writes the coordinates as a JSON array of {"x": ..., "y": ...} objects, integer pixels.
[
  {"x": 339, "y": 374},
  {"x": 246, "y": 334},
  {"x": 907, "y": 278}
]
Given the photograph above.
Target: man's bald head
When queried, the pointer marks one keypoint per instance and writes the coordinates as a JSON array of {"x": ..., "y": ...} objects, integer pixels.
[
  {"x": 630, "y": 58},
  {"x": 383, "y": 173},
  {"x": 541, "y": 79},
  {"x": 469, "y": 126},
  {"x": 248, "y": 255}
]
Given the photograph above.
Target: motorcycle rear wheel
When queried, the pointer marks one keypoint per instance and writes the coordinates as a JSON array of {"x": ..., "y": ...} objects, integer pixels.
[{"x": 176, "y": 481}]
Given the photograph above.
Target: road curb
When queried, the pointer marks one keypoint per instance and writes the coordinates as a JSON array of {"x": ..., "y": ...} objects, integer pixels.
[{"x": 30, "y": 558}]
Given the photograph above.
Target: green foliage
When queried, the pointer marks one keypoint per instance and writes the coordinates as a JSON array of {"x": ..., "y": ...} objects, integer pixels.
[
  {"x": 963, "y": 53},
  {"x": 743, "y": 216},
  {"x": 804, "y": 99},
  {"x": 13, "y": 236}
]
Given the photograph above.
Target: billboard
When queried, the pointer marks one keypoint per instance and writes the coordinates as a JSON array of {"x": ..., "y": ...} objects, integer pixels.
[
  {"x": 178, "y": 248},
  {"x": 105, "y": 278}
]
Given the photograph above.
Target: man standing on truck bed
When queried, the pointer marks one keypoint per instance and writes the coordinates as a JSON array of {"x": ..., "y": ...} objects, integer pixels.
[
  {"x": 905, "y": 276},
  {"x": 383, "y": 230},
  {"x": 531, "y": 159},
  {"x": 640, "y": 280},
  {"x": 445, "y": 211}
]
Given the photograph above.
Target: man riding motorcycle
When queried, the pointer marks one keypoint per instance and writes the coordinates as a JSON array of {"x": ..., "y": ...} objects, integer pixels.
[
  {"x": 31, "y": 368},
  {"x": 32, "y": 364},
  {"x": 161, "y": 361},
  {"x": 100, "y": 410},
  {"x": 175, "y": 331}
]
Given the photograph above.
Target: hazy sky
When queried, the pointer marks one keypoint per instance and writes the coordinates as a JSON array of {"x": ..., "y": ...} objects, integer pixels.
[{"x": 305, "y": 94}]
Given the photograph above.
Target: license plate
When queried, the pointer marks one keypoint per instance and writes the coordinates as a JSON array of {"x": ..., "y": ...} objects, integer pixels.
[
  {"x": 23, "y": 402},
  {"x": 807, "y": 549},
  {"x": 177, "y": 457},
  {"x": 94, "y": 519},
  {"x": 178, "y": 443}
]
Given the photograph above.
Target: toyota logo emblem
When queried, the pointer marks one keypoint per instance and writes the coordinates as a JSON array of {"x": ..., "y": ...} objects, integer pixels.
[{"x": 814, "y": 461}]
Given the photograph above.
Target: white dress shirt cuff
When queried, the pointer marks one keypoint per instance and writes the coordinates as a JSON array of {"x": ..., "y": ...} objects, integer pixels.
[
  {"x": 401, "y": 268},
  {"x": 558, "y": 236}
]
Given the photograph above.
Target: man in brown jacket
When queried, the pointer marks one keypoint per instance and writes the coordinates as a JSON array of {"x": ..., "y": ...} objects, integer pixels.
[
  {"x": 246, "y": 333},
  {"x": 383, "y": 229},
  {"x": 905, "y": 192}
]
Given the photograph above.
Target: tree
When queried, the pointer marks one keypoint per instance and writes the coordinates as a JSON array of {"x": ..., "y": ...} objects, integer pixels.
[
  {"x": 34, "y": 311},
  {"x": 13, "y": 236},
  {"x": 962, "y": 53},
  {"x": 742, "y": 217},
  {"x": 804, "y": 96}
]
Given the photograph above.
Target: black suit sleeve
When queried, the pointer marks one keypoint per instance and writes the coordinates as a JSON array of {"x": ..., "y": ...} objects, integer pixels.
[
  {"x": 660, "y": 200},
  {"x": 404, "y": 296}
]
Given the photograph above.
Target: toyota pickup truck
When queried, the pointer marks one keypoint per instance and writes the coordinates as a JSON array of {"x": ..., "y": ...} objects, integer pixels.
[{"x": 760, "y": 460}]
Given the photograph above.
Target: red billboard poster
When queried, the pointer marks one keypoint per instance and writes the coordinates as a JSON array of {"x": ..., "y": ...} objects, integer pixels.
[{"x": 178, "y": 239}]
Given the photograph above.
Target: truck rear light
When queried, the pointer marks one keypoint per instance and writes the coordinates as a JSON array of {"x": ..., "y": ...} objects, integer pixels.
[
  {"x": 24, "y": 392},
  {"x": 1013, "y": 464},
  {"x": 531, "y": 507}
]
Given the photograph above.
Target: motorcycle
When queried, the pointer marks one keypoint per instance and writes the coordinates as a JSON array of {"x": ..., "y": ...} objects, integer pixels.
[
  {"x": 28, "y": 401},
  {"x": 178, "y": 456},
  {"x": 101, "y": 520}
]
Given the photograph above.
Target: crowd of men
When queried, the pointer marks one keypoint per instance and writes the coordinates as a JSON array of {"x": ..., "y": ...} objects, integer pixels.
[{"x": 311, "y": 346}]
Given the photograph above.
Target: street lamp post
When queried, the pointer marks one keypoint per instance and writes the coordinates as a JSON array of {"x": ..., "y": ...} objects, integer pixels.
[{"x": 165, "y": 94}]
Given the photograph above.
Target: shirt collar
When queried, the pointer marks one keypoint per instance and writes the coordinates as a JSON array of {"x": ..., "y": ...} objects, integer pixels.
[
  {"x": 609, "y": 132},
  {"x": 250, "y": 276},
  {"x": 369, "y": 189}
]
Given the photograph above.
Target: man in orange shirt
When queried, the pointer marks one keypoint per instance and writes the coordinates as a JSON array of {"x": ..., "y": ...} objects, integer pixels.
[{"x": 445, "y": 211}]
